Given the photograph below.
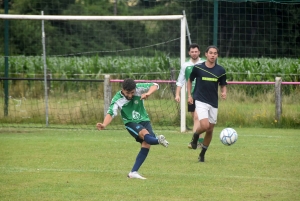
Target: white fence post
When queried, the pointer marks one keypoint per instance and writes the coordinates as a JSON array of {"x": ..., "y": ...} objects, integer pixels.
[
  {"x": 107, "y": 93},
  {"x": 278, "y": 99}
]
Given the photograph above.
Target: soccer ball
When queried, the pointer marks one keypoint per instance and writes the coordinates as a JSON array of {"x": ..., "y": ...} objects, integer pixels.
[{"x": 228, "y": 136}]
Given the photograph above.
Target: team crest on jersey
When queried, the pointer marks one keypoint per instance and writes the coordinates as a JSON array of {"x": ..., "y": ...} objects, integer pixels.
[
  {"x": 136, "y": 102},
  {"x": 136, "y": 115}
]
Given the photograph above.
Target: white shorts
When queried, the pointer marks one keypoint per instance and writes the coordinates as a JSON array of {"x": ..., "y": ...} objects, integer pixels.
[{"x": 205, "y": 111}]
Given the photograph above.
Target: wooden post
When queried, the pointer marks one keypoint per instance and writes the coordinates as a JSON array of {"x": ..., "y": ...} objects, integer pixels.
[
  {"x": 278, "y": 99},
  {"x": 107, "y": 93}
]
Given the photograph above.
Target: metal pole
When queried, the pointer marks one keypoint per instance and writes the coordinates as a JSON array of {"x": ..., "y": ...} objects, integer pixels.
[
  {"x": 187, "y": 28},
  {"x": 6, "y": 54},
  {"x": 182, "y": 60},
  {"x": 278, "y": 99},
  {"x": 45, "y": 71},
  {"x": 107, "y": 93},
  {"x": 215, "y": 34}
]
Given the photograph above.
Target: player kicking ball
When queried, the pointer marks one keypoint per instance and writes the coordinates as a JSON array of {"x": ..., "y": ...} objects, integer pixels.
[{"x": 130, "y": 101}]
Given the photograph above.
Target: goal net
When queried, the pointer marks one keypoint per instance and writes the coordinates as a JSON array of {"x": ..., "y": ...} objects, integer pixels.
[{"x": 56, "y": 76}]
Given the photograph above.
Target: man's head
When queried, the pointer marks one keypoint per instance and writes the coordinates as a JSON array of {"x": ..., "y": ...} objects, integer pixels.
[
  {"x": 194, "y": 51},
  {"x": 211, "y": 53},
  {"x": 128, "y": 88}
]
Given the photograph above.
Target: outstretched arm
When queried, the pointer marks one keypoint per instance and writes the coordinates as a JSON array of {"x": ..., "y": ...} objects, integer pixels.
[
  {"x": 150, "y": 91},
  {"x": 108, "y": 118}
]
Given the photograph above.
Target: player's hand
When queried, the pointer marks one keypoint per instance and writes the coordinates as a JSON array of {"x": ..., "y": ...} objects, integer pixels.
[
  {"x": 223, "y": 95},
  {"x": 177, "y": 98},
  {"x": 144, "y": 96},
  {"x": 190, "y": 100},
  {"x": 100, "y": 126}
]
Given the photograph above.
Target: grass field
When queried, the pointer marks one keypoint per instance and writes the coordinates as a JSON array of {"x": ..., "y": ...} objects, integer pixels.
[{"x": 61, "y": 164}]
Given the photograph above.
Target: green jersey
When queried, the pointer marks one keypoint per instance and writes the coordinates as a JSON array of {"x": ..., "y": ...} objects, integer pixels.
[
  {"x": 185, "y": 72},
  {"x": 131, "y": 110}
]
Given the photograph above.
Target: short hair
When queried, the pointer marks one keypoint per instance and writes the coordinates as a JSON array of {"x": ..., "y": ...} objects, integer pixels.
[
  {"x": 194, "y": 45},
  {"x": 211, "y": 46},
  {"x": 128, "y": 84}
]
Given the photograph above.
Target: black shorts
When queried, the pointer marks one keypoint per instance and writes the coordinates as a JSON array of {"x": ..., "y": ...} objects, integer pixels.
[
  {"x": 135, "y": 128},
  {"x": 191, "y": 108}
]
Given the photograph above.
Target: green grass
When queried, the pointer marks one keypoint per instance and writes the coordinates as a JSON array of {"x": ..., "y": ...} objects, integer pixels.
[{"x": 61, "y": 164}]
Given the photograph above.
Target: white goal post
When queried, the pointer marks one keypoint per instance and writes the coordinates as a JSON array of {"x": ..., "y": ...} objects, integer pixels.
[{"x": 182, "y": 19}]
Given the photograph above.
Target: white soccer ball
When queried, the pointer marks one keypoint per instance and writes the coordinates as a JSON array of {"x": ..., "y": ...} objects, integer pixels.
[{"x": 228, "y": 136}]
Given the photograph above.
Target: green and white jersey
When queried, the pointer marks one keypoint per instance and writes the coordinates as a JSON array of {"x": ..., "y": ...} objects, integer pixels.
[
  {"x": 185, "y": 72},
  {"x": 131, "y": 110}
]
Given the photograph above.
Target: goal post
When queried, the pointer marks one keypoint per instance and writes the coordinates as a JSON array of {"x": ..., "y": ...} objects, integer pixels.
[{"x": 181, "y": 18}]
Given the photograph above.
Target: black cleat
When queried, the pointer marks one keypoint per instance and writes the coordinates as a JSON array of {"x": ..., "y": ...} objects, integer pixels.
[
  {"x": 192, "y": 145},
  {"x": 201, "y": 158}
]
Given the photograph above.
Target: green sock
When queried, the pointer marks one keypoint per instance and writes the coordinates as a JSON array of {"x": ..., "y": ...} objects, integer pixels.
[{"x": 200, "y": 140}]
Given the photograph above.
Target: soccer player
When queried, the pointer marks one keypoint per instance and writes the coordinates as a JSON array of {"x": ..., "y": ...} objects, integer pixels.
[
  {"x": 130, "y": 101},
  {"x": 208, "y": 76},
  {"x": 185, "y": 71}
]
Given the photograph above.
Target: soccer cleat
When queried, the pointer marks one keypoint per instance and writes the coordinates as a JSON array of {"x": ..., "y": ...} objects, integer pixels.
[
  {"x": 201, "y": 158},
  {"x": 162, "y": 140},
  {"x": 135, "y": 175},
  {"x": 191, "y": 145},
  {"x": 202, "y": 154}
]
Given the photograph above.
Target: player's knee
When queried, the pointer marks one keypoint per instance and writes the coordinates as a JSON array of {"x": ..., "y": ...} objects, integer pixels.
[
  {"x": 204, "y": 125},
  {"x": 143, "y": 132}
]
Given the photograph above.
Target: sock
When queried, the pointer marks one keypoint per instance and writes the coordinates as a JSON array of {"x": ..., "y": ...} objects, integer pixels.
[
  {"x": 195, "y": 138},
  {"x": 150, "y": 139},
  {"x": 140, "y": 158},
  {"x": 202, "y": 153}
]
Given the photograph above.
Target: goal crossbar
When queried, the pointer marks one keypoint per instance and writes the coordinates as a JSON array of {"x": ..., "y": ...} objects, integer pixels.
[{"x": 98, "y": 18}]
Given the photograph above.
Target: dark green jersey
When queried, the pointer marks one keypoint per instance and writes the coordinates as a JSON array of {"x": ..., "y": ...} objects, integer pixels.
[{"x": 131, "y": 110}]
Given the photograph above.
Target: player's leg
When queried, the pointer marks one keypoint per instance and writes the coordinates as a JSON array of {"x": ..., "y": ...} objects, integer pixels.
[
  {"x": 202, "y": 113},
  {"x": 213, "y": 113},
  {"x": 135, "y": 129},
  {"x": 143, "y": 134},
  {"x": 196, "y": 123},
  {"x": 149, "y": 136}
]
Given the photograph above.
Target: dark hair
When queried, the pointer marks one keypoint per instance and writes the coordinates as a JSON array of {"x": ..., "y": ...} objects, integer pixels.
[
  {"x": 194, "y": 45},
  {"x": 128, "y": 84},
  {"x": 212, "y": 46}
]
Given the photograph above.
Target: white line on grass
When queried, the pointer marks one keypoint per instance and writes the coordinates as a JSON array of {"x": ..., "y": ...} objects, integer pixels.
[{"x": 22, "y": 169}]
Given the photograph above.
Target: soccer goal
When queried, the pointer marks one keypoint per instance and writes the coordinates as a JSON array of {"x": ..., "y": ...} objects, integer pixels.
[{"x": 57, "y": 67}]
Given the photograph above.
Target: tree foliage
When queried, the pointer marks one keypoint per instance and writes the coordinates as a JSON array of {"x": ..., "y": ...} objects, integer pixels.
[{"x": 245, "y": 29}]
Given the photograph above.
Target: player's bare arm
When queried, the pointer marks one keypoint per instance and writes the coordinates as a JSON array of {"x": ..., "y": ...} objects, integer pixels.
[
  {"x": 189, "y": 88},
  {"x": 177, "y": 96},
  {"x": 108, "y": 118},
  {"x": 223, "y": 92},
  {"x": 150, "y": 91}
]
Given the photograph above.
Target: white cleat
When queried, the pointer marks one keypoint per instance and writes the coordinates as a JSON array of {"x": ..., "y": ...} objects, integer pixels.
[
  {"x": 162, "y": 140},
  {"x": 135, "y": 175}
]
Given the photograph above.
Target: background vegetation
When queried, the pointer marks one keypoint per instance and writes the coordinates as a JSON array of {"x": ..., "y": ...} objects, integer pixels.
[
  {"x": 258, "y": 41},
  {"x": 245, "y": 28}
]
